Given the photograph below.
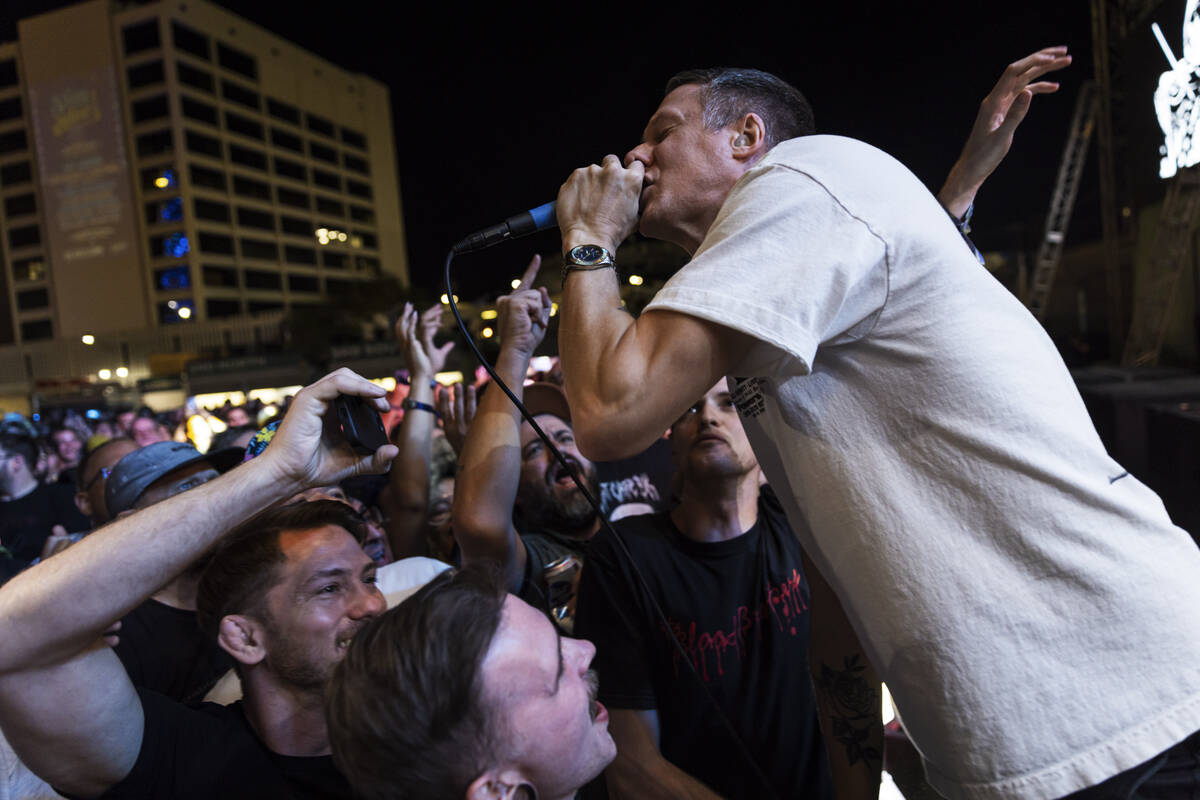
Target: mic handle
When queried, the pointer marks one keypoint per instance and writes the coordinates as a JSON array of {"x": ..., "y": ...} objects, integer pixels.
[{"x": 523, "y": 224}]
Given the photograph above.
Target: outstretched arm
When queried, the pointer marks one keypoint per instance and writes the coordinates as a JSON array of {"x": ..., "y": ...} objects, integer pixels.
[
  {"x": 53, "y": 668},
  {"x": 999, "y": 115},
  {"x": 489, "y": 468},
  {"x": 406, "y": 501}
]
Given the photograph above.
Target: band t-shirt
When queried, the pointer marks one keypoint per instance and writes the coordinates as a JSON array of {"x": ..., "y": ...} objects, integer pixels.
[
  {"x": 208, "y": 750},
  {"x": 25, "y": 523},
  {"x": 739, "y": 608}
]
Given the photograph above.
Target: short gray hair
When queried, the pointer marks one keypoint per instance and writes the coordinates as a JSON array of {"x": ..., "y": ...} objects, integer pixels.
[{"x": 727, "y": 94}]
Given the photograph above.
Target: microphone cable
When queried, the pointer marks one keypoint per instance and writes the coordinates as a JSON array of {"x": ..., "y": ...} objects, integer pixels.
[{"x": 743, "y": 750}]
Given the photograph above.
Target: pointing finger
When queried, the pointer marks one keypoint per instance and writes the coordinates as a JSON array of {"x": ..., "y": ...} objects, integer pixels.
[{"x": 531, "y": 272}]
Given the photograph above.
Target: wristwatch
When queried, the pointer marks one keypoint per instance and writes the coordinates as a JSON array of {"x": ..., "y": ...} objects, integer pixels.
[{"x": 588, "y": 255}]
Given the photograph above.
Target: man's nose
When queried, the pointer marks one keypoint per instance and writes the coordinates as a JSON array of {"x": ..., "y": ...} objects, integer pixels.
[
  {"x": 369, "y": 603},
  {"x": 640, "y": 153}
]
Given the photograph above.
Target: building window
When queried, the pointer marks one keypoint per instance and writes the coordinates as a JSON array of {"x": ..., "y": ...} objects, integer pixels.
[
  {"x": 150, "y": 108},
  {"x": 190, "y": 41},
  {"x": 10, "y": 108},
  {"x": 299, "y": 255},
  {"x": 201, "y": 112},
  {"x": 210, "y": 210},
  {"x": 222, "y": 308},
  {"x": 24, "y": 237},
  {"x": 322, "y": 153},
  {"x": 170, "y": 245},
  {"x": 303, "y": 283},
  {"x": 286, "y": 140},
  {"x": 29, "y": 269},
  {"x": 290, "y": 169},
  {"x": 170, "y": 210},
  {"x": 367, "y": 263},
  {"x": 263, "y": 306},
  {"x": 368, "y": 240},
  {"x": 209, "y": 178},
  {"x": 289, "y": 198},
  {"x": 231, "y": 91},
  {"x": 319, "y": 125},
  {"x": 361, "y": 213},
  {"x": 19, "y": 205},
  {"x": 204, "y": 145},
  {"x": 225, "y": 277},
  {"x": 248, "y": 157},
  {"x": 354, "y": 139},
  {"x": 153, "y": 144},
  {"x": 358, "y": 189},
  {"x": 140, "y": 37},
  {"x": 327, "y": 179},
  {"x": 196, "y": 78},
  {"x": 236, "y": 61},
  {"x": 215, "y": 243},
  {"x": 333, "y": 260},
  {"x": 8, "y": 73},
  {"x": 248, "y": 187},
  {"x": 145, "y": 74},
  {"x": 176, "y": 311},
  {"x": 257, "y": 279},
  {"x": 295, "y": 226},
  {"x": 236, "y": 123},
  {"x": 327, "y": 206},
  {"x": 15, "y": 174},
  {"x": 283, "y": 111},
  {"x": 249, "y": 218},
  {"x": 172, "y": 278},
  {"x": 37, "y": 329},
  {"x": 256, "y": 248},
  {"x": 13, "y": 141},
  {"x": 355, "y": 163},
  {"x": 31, "y": 299}
]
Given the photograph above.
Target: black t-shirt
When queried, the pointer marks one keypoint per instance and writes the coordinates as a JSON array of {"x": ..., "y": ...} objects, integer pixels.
[
  {"x": 208, "y": 750},
  {"x": 740, "y": 610},
  {"x": 637, "y": 481},
  {"x": 25, "y": 523},
  {"x": 163, "y": 649}
]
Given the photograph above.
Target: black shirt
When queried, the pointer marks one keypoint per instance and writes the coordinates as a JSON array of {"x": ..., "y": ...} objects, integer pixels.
[
  {"x": 163, "y": 649},
  {"x": 25, "y": 523},
  {"x": 739, "y": 608},
  {"x": 208, "y": 751}
]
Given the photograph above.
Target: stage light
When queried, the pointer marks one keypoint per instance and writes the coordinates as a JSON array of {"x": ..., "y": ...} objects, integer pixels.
[
  {"x": 104, "y": 374},
  {"x": 636, "y": 280},
  {"x": 515, "y": 283},
  {"x": 185, "y": 312},
  {"x": 487, "y": 313},
  {"x": 486, "y": 333},
  {"x": 87, "y": 338},
  {"x": 553, "y": 309},
  {"x": 122, "y": 372}
]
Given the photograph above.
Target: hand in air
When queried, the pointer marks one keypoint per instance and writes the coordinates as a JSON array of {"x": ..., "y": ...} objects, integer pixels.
[
  {"x": 522, "y": 317},
  {"x": 414, "y": 336}
]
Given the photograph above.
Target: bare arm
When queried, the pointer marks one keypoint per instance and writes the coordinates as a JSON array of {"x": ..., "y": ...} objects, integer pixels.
[
  {"x": 626, "y": 379},
  {"x": 490, "y": 463},
  {"x": 68, "y": 707},
  {"x": 999, "y": 115},
  {"x": 406, "y": 502},
  {"x": 849, "y": 704},
  {"x": 639, "y": 770}
]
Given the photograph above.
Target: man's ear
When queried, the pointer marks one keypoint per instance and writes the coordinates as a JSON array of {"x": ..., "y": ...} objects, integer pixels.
[
  {"x": 83, "y": 504},
  {"x": 748, "y": 138},
  {"x": 501, "y": 784},
  {"x": 242, "y": 638}
]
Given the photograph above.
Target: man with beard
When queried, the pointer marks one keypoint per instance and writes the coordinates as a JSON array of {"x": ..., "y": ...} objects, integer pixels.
[
  {"x": 283, "y": 595},
  {"x": 505, "y": 468}
]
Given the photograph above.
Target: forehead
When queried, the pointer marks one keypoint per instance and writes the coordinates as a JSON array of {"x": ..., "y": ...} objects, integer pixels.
[
  {"x": 548, "y": 422},
  {"x": 523, "y": 655},
  {"x": 315, "y": 548},
  {"x": 683, "y": 103}
]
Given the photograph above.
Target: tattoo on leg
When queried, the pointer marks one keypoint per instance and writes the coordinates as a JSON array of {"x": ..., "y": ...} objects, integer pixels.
[{"x": 853, "y": 707}]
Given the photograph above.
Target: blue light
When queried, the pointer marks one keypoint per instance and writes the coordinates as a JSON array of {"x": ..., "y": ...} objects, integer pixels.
[
  {"x": 176, "y": 245},
  {"x": 37, "y": 417},
  {"x": 92, "y": 413},
  {"x": 173, "y": 278},
  {"x": 171, "y": 210}
]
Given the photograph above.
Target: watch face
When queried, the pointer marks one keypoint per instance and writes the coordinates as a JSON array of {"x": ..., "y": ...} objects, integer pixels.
[{"x": 587, "y": 254}]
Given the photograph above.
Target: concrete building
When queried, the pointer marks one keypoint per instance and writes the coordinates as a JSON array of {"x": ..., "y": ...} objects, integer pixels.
[{"x": 169, "y": 171}]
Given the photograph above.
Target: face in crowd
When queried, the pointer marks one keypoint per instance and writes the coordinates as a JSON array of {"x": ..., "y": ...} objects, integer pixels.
[
  {"x": 708, "y": 441},
  {"x": 146, "y": 431},
  {"x": 67, "y": 446},
  {"x": 547, "y": 496}
]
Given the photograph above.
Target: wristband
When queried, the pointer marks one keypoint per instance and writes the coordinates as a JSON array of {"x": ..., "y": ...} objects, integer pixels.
[{"x": 408, "y": 403}]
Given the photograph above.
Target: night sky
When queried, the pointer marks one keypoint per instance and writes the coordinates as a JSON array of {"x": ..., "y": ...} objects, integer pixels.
[{"x": 494, "y": 108}]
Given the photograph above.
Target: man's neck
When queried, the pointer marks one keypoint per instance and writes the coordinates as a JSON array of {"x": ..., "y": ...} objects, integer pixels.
[
  {"x": 180, "y": 593},
  {"x": 289, "y": 720},
  {"x": 22, "y": 485},
  {"x": 717, "y": 510}
]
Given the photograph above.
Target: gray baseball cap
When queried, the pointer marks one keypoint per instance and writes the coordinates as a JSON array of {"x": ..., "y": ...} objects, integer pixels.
[{"x": 136, "y": 471}]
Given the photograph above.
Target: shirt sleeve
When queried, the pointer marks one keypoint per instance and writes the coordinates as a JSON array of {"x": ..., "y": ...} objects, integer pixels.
[
  {"x": 787, "y": 263},
  {"x": 608, "y": 614}
]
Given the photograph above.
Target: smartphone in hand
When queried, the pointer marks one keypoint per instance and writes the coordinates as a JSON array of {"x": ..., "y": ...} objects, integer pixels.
[{"x": 360, "y": 423}]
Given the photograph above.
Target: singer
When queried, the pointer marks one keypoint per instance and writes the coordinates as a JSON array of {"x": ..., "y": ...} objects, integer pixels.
[{"x": 1030, "y": 605}]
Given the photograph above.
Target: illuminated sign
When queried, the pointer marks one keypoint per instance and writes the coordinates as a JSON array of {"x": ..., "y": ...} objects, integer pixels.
[{"x": 1177, "y": 98}]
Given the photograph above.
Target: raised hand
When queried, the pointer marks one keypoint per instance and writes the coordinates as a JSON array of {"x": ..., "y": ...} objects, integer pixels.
[
  {"x": 599, "y": 204},
  {"x": 414, "y": 337},
  {"x": 456, "y": 405},
  {"x": 522, "y": 317},
  {"x": 999, "y": 115}
]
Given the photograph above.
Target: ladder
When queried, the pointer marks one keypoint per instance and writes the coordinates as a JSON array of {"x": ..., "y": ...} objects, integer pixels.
[
  {"x": 1172, "y": 248},
  {"x": 1062, "y": 202}
]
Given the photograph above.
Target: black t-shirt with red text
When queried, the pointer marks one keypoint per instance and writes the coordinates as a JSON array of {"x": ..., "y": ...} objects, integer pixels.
[{"x": 740, "y": 610}]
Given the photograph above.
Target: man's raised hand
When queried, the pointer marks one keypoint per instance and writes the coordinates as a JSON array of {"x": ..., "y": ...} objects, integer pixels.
[
  {"x": 999, "y": 115},
  {"x": 522, "y": 317}
]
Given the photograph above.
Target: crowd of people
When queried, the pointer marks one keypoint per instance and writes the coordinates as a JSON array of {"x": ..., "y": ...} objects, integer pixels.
[{"x": 238, "y": 603}]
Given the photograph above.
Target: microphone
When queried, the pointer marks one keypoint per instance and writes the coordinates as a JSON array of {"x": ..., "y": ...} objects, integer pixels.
[{"x": 537, "y": 219}]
